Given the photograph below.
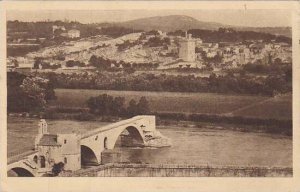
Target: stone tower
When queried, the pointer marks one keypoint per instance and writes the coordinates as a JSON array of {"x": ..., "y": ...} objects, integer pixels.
[
  {"x": 42, "y": 130},
  {"x": 187, "y": 48}
]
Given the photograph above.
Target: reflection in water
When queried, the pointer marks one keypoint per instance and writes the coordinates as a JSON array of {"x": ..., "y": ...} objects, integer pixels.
[{"x": 214, "y": 147}]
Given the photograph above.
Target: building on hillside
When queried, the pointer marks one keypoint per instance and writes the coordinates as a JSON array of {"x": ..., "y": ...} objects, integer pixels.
[
  {"x": 187, "y": 48},
  {"x": 162, "y": 33},
  {"x": 56, "y": 148},
  {"x": 199, "y": 42},
  {"x": 56, "y": 27},
  {"x": 24, "y": 63},
  {"x": 57, "y": 30},
  {"x": 73, "y": 33}
]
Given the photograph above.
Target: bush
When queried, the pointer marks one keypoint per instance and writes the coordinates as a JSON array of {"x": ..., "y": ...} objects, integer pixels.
[
  {"x": 84, "y": 117},
  {"x": 107, "y": 105},
  {"x": 57, "y": 168}
]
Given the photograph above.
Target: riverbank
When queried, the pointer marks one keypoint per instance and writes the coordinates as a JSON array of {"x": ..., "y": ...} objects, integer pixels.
[{"x": 171, "y": 170}]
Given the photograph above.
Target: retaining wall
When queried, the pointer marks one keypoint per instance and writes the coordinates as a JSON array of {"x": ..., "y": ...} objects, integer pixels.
[{"x": 150, "y": 170}]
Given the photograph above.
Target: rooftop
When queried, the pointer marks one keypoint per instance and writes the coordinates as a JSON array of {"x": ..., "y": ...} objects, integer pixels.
[{"x": 49, "y": 140}]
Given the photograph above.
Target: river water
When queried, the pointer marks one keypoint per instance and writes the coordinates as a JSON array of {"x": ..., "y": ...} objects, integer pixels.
[
  {"x": 195, "y": 146},
  {"x": 207, "y": 145}
]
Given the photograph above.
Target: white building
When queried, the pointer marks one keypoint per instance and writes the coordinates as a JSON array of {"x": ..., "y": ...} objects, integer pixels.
[
  {"x": 25, "y": 63},
  {"x": 56, "y": 27},
  {"x": 187, "y": 48},
  {"x": 73, "y": 33},
  {"x": 56, "y": 148}
]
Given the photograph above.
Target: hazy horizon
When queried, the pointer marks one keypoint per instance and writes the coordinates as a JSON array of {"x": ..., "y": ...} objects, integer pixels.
[{"x": 245, "y": 18}]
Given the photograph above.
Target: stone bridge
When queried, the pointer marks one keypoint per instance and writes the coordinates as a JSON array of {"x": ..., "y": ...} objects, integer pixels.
[
  {"x": 93, "y": 143},
  {"x": 23, "y": 165},
  {"x": 140, "y": 130}
]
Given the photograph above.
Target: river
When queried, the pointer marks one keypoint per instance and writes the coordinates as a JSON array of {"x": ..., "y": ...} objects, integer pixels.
[
  {"x": 203, "y": 146},
  {"x": 212, "y": 144}
]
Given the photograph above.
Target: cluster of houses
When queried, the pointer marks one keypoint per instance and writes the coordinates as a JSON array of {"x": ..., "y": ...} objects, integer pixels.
[
  {"x": 185, "y": 52},
  {"x": 25, "y": 38},
  {"x": 193, "y": 53},
  {"x": 237, "y": 54}
]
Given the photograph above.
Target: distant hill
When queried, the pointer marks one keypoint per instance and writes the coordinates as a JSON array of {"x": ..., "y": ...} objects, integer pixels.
[
  {"x": 169, "y": 23},
  {"x": 182, "y": 22}
]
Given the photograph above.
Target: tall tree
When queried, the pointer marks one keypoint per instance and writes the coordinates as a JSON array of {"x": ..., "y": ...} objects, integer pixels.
[{"x": 143, "y": 106}]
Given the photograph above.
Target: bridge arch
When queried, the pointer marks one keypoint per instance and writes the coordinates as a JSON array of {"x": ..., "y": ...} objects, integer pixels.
[
  {"x": 88, "y": 156},
  {"x": 19, "y": 172},
  {"x": 135, "y": 136}
]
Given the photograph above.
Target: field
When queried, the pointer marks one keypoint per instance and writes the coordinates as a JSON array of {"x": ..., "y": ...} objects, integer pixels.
[
  {"x": 276, "y": 108},
  {"x": 208, "y": 103}
]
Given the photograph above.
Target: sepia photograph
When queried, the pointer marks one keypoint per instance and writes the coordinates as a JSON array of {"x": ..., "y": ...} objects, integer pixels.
[{"x": 149, "y": 93}]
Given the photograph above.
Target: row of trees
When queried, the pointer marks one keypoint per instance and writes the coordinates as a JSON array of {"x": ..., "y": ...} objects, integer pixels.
[
  {"x": 100, "y": 62},
  {"x": 158, "y": 41},
  {"x": 239, "y": 82},
  {"x": 105, "y": 64},
  {"x": 230, "y": 35},
  {"x": 72, "y": 63},
  {"x": 108, "y": 105},
  {"x": 126, "y": 45}
]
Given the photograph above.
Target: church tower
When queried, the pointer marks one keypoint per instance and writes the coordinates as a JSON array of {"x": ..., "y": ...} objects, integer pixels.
[{"x": 43, "y": 129}]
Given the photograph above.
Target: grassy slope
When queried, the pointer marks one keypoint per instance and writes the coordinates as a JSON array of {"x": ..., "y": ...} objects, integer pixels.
[{"x": 277, "y": 108}]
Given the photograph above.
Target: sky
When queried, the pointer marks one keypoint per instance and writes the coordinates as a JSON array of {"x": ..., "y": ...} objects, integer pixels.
[{"x": 251, "y": 18}]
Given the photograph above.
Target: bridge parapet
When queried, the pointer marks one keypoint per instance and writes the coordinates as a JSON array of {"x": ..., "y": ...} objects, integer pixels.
[
  {"x": 146, "y": 121},
  {"x": 24, "y": 162}
]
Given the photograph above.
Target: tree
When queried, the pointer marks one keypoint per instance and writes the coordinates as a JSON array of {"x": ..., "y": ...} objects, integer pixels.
[
  {"x": 143, "y": 106},
  {"x": 277, "y": 61},
  {"x": 35, "y": 89},
  {"x": 100, "y": 62},
  {"x": 93, "y": 60},
  {"x": 129, "y": 70},
  {"x": 106, "y": 105},
  {"x": 37, "y": 62},
  {"x": 289, "y": 75},
  {"x": 57, "y": 168},
  {"x": 70, "y": 63},
  {"x": 27, "y": 93},
  {"x": 132, "y": 108},
  {"x": 117, "y": 107}
]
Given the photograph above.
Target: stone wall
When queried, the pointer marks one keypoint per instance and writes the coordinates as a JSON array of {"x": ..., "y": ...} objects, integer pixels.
[{"x": 149, "y": 170}]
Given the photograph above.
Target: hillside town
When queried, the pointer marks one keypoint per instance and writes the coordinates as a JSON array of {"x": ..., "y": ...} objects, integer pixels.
[{"x": 155, "y": 50}]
